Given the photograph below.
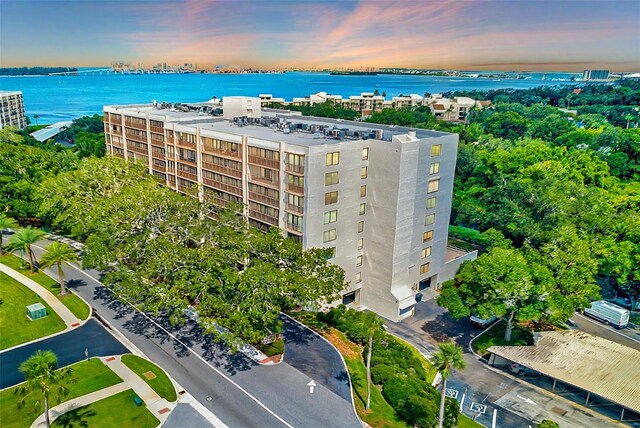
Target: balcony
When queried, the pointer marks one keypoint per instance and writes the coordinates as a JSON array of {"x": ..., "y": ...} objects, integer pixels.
[
  {"x": 187, "y": 175},
  {"x": 135, "y": 137},
  {"x": 157, "y": 129},
  {"x": 226, "y": 153},
  {"x": 188, "y": 161},
  {"x": 265, "y": 182},
  {"x": 295, "y": 188},
  {"x": 116, "y": 131},
  {"x": 257, "y": 197},
  {"x": 295, "y": 228},
  {"x": 185, "y": 143},
  {"x": 268, "y": 163},
  {"x": 265, "y": 218},
  {"x": 117, "y": 144},
  {"x": 141, "y": 150},
  {"x": 222, "y": 169},
  {"x": 159, "y": 168},
  {"x": 222, "y": 186},
  {"x": 130, "y": 124},
  {"x": 297, "y": 209},
  {"x": 115, "y": 119},
  {"x": 294, "y": 169}
]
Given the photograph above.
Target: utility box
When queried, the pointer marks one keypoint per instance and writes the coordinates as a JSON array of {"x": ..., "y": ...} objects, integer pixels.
[{"x": 36, "y": 311}]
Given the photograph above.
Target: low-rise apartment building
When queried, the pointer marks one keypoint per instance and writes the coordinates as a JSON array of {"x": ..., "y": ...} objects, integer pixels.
[
  {"x": 379, "y": 196},
  {"x": 12, "y": 110}
]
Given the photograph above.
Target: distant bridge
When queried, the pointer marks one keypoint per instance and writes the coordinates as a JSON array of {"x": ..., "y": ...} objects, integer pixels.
[{"x": 63, "y": 73}]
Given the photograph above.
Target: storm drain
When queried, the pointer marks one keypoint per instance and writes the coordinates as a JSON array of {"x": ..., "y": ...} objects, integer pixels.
[{"x": 559, "y": 411}]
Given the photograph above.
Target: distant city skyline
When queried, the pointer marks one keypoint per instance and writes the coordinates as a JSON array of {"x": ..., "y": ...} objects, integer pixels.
[{"x": 481, "y": 35}]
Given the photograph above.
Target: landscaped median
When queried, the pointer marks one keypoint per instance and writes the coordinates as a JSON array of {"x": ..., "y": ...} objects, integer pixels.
[
  {"x": 494, "y": 336},
  {"x": 401, "y": 391},
  {"x": 153, "y": 375},
  {"x": 74, "y": 303},
  {"x": 90, "y": 376}
]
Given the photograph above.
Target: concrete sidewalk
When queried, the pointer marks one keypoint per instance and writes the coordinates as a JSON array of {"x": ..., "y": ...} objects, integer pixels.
[
  {"x": 67, "y": 316},
  {"x": 158, "y": 406}
]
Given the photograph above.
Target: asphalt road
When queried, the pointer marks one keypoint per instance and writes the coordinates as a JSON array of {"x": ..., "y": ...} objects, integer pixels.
[
  {"x": 627, "y": 336},
  {"x": 234, "y": 388},
  {"x": 69, "y": 347}
]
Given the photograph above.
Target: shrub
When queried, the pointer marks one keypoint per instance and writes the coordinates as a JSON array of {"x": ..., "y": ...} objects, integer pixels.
[
  {"x": 548, "y": 424},
  {"x": 382, "y": 372}
]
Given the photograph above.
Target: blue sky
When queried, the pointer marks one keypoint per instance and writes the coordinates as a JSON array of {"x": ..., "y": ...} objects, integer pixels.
[{"x": 513, "y": 35}]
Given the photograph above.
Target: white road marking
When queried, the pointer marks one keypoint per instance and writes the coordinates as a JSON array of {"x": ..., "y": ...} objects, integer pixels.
[
  {"x": 311, "y": 385},
  {"x": 527, "y": 400}
]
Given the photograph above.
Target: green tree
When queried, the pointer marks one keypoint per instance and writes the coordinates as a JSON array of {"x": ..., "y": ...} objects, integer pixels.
[
  {"x": 36, "y": 117},
  {"x": 509, "y": 124},
  {"x": 449, "y": 357},
  {"x": 374, "y": 325},
  {"x": 550, "y": 128},
  {"x": 500, "y": 282},
  {"x": 57, "y": 254},
  {"x": 43, "y": 378},
  {"x": 5, "y": 223},
  {"x": 548, "y": 424},
  {"x": 22, "y": 240}
]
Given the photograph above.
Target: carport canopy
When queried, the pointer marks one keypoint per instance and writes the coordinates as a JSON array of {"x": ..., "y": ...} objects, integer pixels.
[{"x": 593, "y": 364}]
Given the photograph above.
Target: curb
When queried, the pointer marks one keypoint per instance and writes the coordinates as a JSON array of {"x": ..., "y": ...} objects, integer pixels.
[
  {"x": 481, "y": 333},
  {"x": 264, "y": 362},
  {"x": 344, "y": 364}
]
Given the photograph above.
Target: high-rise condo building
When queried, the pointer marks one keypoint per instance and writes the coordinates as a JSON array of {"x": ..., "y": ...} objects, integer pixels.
[
  {"x": 379, "y": 196},
  {"x": 12, "y": 110}
]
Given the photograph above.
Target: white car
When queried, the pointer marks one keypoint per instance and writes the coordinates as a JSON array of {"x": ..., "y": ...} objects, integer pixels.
[
  {"x": 476, "y": 321},
  {"x": 522, "y": 370}
]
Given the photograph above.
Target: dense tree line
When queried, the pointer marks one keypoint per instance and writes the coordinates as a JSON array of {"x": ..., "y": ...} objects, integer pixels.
[
  {"x": 326, "y": 109},
  {"x": 34, "y": 71}
]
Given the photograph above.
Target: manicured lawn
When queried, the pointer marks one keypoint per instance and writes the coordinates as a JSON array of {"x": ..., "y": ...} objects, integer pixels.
[
  {"x": 15, "y": 326},
  {"x": 494, "y": 336},
  {"x": 116, "y": 411},
  {"x": 465, "y": 422},
  {"x": 91, "y": 376},
  {"x": 380, "y": 414},
  {"x": 273, "y": 348},
  {"x": 75, "y": 304},
  {"x": 161, "y": 384}
]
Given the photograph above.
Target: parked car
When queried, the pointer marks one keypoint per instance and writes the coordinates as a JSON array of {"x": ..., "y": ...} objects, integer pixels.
[
  {"x": 522, "y": 370},
  {"x": 476, "y": 321},
  {"x": 608, "y": 313}
]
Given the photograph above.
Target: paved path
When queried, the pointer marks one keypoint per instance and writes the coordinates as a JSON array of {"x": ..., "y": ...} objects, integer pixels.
[
  {"x": 158, "y": 406},
  {"x": 67, "y": 316}
]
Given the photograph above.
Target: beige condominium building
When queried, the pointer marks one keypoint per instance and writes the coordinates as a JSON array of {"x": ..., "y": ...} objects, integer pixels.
[
  {"x": 12, "y": 110},
  {"x": 379, "y": 196}
]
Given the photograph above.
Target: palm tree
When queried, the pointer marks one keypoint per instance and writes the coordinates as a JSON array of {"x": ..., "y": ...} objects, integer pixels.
[
  {"x": 449, "y": 357},
  {"x": 5, "y": 223},
  {"x": 373, "y": 325},
  {"x": 57, "y": 254},
  {"x": 23, "y": 239},
  {"x": 41, "y": 375},
  {"x": 36, "y": 117}
]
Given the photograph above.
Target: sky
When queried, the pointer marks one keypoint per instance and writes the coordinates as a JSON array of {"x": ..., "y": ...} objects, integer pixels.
[{"x": 471, "y": 35}]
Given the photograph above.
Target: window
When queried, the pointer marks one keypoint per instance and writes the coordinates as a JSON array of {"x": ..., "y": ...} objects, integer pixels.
[
  {"x": 359, "y": 260},
  {"x": 331, "y": 198},
  {"x": 434, "y": 168},
  {"x": 333, "y": 159},
  {"x": 427, "y": 236},
  {"x": 363, "y": 209},
  {"x": 360, "y": 226},
  {"x": 358, "y": 277},
  {"x": 329, "y": 235},
  {"x": 331, "y": 216},
  {"x": 363, "y": 191},
  {"x": 363, "y": 172},
  {"x": 429, "y": 219},
  {"x": 431, "y": 202},
  {"x": 360, "y": 243},
  {"x": 426, "y": 252},
  {"x": 331, "y": 178},
  {"x": 365, "y": 153},
  {"x": 434, "y": 185},
  {"x": 424, "y": 268},
  {"x": 436, "y": 149}
]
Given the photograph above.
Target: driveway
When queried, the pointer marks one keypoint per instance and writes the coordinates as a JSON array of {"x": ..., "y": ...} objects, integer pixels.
[{"x": 69, "y": 347}]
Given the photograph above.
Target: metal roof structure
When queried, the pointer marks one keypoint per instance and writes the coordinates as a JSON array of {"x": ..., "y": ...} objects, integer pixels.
[{"x": 596, "y": 365}]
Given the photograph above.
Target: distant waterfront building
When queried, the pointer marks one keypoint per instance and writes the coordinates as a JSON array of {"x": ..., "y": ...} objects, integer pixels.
[
  {"x": 452, "y": 110},
  {"x": 378, "y": 196},
  {"x": 595, "y": 75},
  {"x": 12, "y": 110}
]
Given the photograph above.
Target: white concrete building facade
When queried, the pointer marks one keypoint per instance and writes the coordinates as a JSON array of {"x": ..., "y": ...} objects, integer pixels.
[{"x": 12, "y": 110}]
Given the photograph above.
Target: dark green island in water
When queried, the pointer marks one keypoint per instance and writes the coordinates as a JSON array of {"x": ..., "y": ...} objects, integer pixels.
[{"x": 35, "y": 71}]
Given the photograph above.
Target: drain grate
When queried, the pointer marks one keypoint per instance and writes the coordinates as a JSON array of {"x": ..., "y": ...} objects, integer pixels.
[{"x": 559, "y": 411}]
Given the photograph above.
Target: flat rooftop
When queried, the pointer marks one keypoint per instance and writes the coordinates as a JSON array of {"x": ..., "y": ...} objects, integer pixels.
[
  {"x": 273, "y": 133},
  {"x": 604, "y": 368}
]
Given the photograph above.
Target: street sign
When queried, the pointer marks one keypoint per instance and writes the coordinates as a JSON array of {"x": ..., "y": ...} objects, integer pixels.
[
  {"x": 451, "y": 393},
  {"x": 311, "y": 385},
  {"x": 477, "y": 407}
]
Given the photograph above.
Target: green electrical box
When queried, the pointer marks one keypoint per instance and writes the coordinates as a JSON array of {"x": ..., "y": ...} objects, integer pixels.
[{"x": 36, "y": 311}]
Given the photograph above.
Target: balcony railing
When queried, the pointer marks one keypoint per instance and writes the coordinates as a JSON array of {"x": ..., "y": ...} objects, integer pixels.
[
  {"x": 188, "y": 161},
  {"x": 294, "y": 169},
  {"x": 186, "y": 189},
  {"x": 295, "y": 188},
  {"x": 264, "y": 181},
  {"x": 117, "y": 144},
  {"x": 141, "y": 150},
  {"x": 159, "y": 168},
  {"x": 296, "y": 228},
  {"x": 130, "y": 124},
  {"x": 185, "y": 143},
  {"x": 265, "y": 218},
  {"x": 117, "y": 131},
  {"x": 222, "y": 186},
  {"x": 187, "y": 175},
  {"x": 135, "y": 137},
  {"x": 294, "y": 208},
  {"x": 269, "y": 163},
  {"x": 226, "y": 153},
  {"x": 157, "y": 129},
  {"x": 263, "y": 199},
  {"x": 222, "y": 169}
]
